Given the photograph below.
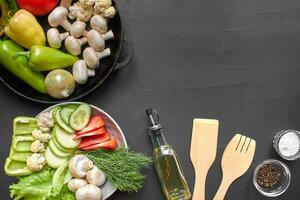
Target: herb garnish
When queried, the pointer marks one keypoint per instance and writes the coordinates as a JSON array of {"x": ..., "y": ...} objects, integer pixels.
[{"x": 122, "y": 167}]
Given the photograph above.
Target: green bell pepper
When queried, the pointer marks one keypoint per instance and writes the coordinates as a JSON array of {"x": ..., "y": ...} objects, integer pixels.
[
  {"x": 41, "y": 58},
  {"x": 20, "y": 68}
]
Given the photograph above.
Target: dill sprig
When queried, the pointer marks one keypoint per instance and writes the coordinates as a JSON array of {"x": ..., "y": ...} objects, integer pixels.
[{"x": 122, "y": 167}]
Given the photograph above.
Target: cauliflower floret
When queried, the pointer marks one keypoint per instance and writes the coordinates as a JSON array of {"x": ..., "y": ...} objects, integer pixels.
[
  {"x": 80, "y": 13},
  {"x": 87, "y": 3},
  {"x": 101, "y": 5},
  {"x": 37, "y": 146},
  {"x": 35, "y": 162},
  {"x": 110, "y": 12},
  {"x": 39, "y": 135},
  {"x": 45, "y": 121}
]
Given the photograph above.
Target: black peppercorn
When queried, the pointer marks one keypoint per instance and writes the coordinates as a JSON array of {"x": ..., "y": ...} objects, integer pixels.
[{"x": 269, "y": 175}]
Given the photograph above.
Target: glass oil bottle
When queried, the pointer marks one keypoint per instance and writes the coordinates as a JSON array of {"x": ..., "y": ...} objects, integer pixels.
[{"x": 166, "y": 162}]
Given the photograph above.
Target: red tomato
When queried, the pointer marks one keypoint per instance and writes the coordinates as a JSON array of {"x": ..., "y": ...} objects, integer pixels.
[
  {"x": 38, "y": 7},
  {"x": 98, "y": 131},
  {"x": 108, "y": 145},
  {"x": 96, "y": 139},
  {"x": 95, "y": 123}
]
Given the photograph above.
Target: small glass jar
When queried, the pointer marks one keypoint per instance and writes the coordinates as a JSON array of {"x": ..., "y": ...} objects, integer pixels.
[
  {"x": 276, "y": 142},
  {"x": 280, "y": 187}
]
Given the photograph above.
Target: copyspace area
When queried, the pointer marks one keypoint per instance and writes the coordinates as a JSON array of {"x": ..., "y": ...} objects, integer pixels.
[{"x": 237, "y": 61}]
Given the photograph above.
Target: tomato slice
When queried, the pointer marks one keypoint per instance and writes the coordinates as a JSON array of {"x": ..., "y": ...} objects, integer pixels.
[
  {"x": 96, "y": 139},
  {"x": 98, "y": 131},
  {"x": 108, "y": 145},
  {"x": 95, "y": 123}
]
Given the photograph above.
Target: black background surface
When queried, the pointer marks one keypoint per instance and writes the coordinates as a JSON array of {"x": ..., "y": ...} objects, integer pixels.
[{"x": 234, "y": 60}]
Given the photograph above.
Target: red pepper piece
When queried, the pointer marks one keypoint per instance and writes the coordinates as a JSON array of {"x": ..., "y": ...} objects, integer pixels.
[
  {"x": 108, "y": 145},
  {"x": 98, "y": 131},
  {"x": 96, "y": 139},
  {"x": 95, "y": 123}
]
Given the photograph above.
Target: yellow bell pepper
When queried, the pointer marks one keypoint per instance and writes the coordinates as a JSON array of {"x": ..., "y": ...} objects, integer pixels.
[{"x": 24, "y": 29}]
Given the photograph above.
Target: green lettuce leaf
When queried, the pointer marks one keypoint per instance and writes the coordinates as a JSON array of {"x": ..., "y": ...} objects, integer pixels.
[
  {"x": 65, "y": 194},
  {"x": 36, "y": 186}
]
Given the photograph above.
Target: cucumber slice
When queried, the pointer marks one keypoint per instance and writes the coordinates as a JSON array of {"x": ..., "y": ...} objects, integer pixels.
[
  {"x": 80, "y": 117},
  {"x": 65, "y": 139},
  {"x": 21, "y": 146},
  {"x": 16, "y": 168},
  {"x": 72, "y": 106},
  {"x": 53, "y": 160},
  {"x": 58, "y": 178},
  {"x": 60, "y": 121},
  {"x": 19, "y": 156},
  {"x": 24, "y": 125},
  {"x": 56, "y": 151},
  {"x": 61, "y": 148},
  {"x": 65, "y": 114}
]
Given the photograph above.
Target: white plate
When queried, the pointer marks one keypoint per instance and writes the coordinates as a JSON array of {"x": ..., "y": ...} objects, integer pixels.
[{"x": 114, "y": 130}]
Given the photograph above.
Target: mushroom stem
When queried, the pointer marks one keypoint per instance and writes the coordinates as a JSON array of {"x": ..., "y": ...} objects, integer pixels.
[
  {"x": 66, "y": 24},
  {"x": 66, "y": 3},
  {"x": 107, "y": 36},
  {"x": 82, "y": 40},
  {"x": 63, "y": 36},
  {"x": 104, "y": 53},
  {"x": 91, "y": 72}
]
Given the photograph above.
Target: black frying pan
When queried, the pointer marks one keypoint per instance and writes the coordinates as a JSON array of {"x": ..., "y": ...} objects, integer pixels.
[{"x": 107, "y": 66}]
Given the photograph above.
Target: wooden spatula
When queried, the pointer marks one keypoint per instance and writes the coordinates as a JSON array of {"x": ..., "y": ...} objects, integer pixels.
[
  {"x": 236, "y": 160},
  {"x": 203, "y": 152}
]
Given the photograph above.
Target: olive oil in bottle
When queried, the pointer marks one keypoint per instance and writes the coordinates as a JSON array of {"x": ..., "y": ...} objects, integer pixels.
[{"x": 166, "y": 162}]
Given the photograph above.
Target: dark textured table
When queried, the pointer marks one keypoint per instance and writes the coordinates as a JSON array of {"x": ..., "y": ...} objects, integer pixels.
[{"x": 234, "y": 60}]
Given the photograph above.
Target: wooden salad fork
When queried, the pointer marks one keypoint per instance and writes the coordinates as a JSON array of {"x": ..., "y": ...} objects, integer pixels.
[
  {"x": 236, "y": 160},
  {"x": 203, "y": 152}
]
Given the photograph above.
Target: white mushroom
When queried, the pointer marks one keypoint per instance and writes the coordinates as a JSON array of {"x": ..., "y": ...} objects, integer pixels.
[
  {"x": 59, "y": 17},
  {"x": 73, "y": 45},
  {"x": 92, "y": 57},
  {"x": 79, "y": 165},
  {"x": 81, "y": 72},
  {"x": 76, "y": 183},
  {"x": 55, "y": 38},
  {"x": 96, "y": 176},
  {"x": 97, "y": 40},
  {"x": 109, "y": 35},
  {"x": 65, "y": 3},
  {"x": 99, "y": 23},
  {"x": 88, "y": 192},
  {"x": 77, "y": 29}
]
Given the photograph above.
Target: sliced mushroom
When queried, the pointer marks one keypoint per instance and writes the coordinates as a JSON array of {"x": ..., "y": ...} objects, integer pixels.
[
  {"x": 76, "y": 183},
  {"x": 99, "y": 23},
  {"x": 59, "y": 17},
  {"x": 96, "y": 176},
  {"x": 55, "y": 38},
  {"x": 77, "y": 29},
  {"x": 81, "y": 72},
  {"x": 79, "y": 165},
  {"x": 92, "y": 57},
  {"x": 88, "y": 192},
  {"x": 73, "y": 45}
]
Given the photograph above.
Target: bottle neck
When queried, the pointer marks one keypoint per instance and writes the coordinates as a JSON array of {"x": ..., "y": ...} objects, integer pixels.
[{"x": 157, "y": 138}]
